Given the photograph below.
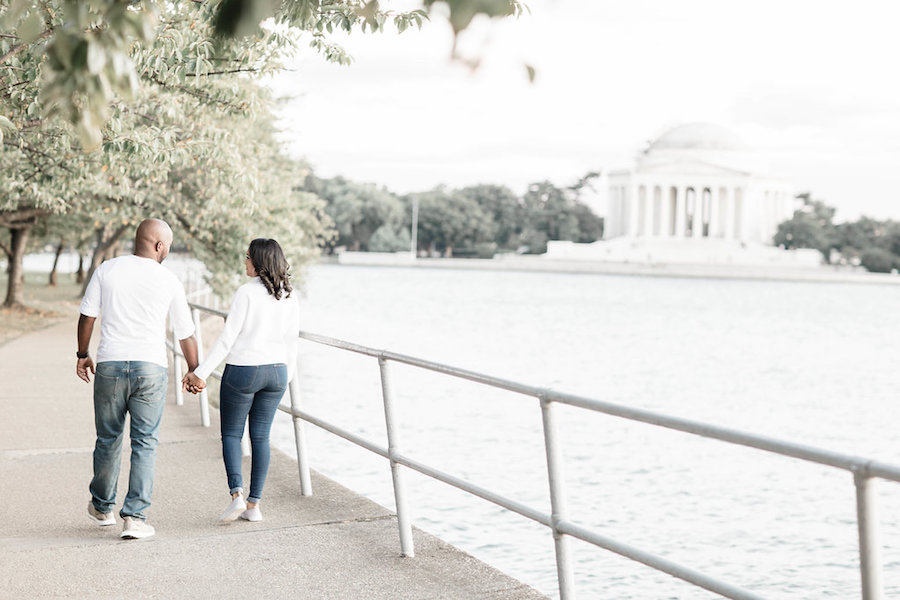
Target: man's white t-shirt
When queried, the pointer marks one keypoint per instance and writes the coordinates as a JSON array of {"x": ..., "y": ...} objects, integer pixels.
[
  {"x": 259, "y": 330},
  {"x": 135, "y": 295}
]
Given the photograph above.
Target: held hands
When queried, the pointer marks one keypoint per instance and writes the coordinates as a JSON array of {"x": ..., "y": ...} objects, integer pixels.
[
  {"x": 82, "y": 368},
  {"x": 191, "y": 383}
]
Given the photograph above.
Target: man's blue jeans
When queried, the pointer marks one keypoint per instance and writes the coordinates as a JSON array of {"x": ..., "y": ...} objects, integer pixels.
[
  {"x": 135, "y": 388},
  {"x": 254, "y": 392}
]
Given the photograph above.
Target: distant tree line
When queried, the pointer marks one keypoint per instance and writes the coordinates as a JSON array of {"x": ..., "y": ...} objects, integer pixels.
[
  {"x": 475, "y": 221},
  {"x": 868, "y": 242}
]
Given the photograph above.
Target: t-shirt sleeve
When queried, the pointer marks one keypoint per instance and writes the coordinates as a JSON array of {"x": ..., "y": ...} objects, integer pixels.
[
  {"x": 90, "y": 304},
  {"x": 180, "y": 313},
  {"x": 237, "y": 314}
]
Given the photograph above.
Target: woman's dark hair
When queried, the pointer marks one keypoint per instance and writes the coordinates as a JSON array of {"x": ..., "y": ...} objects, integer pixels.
[{"x": 271, "y": 266}]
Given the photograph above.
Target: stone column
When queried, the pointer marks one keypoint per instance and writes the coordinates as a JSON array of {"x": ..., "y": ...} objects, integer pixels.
[
  {"x": 729, "y": 214},
  {"x": 714, "y": 211},
  {"x": 649, "y": 209},
  {"x": 631, "y": 200},
  {"x": 680, "y": 200},
  {"x": 665, "y": 211},
  {"x": 697, "y": 228}
]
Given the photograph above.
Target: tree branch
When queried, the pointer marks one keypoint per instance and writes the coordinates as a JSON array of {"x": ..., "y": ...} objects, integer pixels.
[
  {"x": 22, "y": 217},
  {"x": 230, "y": 71},
  {"x": 19, "y": 47},
  {"x": 34, "y": 150}
]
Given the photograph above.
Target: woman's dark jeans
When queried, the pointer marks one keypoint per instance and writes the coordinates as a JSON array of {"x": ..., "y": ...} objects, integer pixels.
[{"x": 253, "y": 391}]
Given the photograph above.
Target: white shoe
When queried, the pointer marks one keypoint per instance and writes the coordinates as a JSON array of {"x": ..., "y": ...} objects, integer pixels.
[
  {"x": 135, "y": 529},
  {"x": 252, "y": 514},
  {"x": 234, "y": 509},
  {"x": 101, "y": 518}
]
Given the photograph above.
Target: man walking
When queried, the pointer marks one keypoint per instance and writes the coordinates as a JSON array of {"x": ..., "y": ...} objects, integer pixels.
[{"x": 135, "y": 294}]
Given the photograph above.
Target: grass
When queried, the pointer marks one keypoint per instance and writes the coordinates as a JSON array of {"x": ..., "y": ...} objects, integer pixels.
[{"x": 44, "y": 305}]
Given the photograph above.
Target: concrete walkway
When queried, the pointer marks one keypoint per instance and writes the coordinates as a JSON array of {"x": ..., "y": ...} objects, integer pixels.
[{"x": 334, "y": 544}]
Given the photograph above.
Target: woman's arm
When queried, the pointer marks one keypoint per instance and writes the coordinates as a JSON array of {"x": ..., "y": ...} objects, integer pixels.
[
  {"x": 292, "y": 330},
  {"x": 237, "y": 314}
]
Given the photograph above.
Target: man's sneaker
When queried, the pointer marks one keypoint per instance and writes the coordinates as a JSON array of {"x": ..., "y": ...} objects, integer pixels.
[
  {"x": 135, "y": 529},
  {"x": 101, "y": 518},
  {"x": 252, "y": 514},
  {"x": 234, "y": 509}
]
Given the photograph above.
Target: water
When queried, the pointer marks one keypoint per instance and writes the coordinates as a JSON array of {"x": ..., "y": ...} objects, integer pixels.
[{"x": 810, "y": 362}]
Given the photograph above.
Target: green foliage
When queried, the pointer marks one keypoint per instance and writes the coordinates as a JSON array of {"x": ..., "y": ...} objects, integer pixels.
[
  {"x": 195, "y": 145},
  {"x": 878, "y": 260},
  {"x": 868, "y": 242},
  {"x": 551, "y": 212},
  {"x": 505, "y": 210},
  {"x": 450, "y": 219},
  {"x": 358, "y": 210},
  {"x": 88, "y": 60},
  {"x": 390, "y": 239},
  {"x": 810, "y": 227}
]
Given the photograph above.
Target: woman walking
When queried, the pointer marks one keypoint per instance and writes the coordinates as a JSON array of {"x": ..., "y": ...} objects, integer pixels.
[{"x": 258, "y": 345}]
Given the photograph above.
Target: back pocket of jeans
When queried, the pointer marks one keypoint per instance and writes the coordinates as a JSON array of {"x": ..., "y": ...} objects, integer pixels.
[
  {"x": 241, "y": 379},
  {"x": 150, "y": 388},
  {"x": 105, "y": 387}
]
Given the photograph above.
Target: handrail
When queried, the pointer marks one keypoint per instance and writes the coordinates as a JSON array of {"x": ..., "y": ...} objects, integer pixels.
[{"x": 863, "y": 469}]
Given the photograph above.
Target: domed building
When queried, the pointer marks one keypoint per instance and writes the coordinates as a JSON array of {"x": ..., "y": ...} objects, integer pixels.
[
  {"x": 697, "y": 195},
  {"x": 696, "y": 181}
]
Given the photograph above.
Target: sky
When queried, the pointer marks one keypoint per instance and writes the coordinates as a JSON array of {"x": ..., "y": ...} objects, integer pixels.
[{"x": 813, "y": 86}]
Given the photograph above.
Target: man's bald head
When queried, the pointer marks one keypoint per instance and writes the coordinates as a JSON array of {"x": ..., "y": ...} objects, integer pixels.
[{"x": 153, "y": 239}]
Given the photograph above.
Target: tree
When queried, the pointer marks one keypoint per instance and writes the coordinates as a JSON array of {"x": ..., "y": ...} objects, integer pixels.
[
  {"x": 811, "y": 226},
  {"x": 877, "y": 260},
  {"x": 358, "y": 210},
  {"x": 195, "y": 146},
  {"x": 89, "y": 44},
  {"x": 450, "y": 219},
  {"x": 549, "y": 214},
  {"x": 505, "y": 210}
]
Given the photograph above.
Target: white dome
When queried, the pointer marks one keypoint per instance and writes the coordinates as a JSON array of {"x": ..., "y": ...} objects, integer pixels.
[
  {"x": 698, "y": 136},
  {"x": 702, "y": 145}
]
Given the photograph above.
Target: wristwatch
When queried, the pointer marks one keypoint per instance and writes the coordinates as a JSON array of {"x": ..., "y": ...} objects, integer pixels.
[{"x": 81, "y": 354}]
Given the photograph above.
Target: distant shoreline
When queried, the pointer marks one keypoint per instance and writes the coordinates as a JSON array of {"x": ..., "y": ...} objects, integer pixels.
[
  {"x": 41, "y": 262},
  {"x": 823, "y": 274}
]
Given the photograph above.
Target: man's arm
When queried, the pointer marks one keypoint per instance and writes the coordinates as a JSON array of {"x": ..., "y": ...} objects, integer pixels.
[
  {"x": 189, "y": 349},
  {"x": 85, "y": 330}
]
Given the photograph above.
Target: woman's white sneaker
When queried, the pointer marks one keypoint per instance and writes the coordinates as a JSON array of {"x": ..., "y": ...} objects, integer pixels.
[
  {"x": 252, "y": 514},
  {"x": 237, "y": 506}
]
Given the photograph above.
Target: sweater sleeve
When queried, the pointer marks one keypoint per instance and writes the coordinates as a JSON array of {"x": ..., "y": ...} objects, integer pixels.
[
  {"x": 237, "y": 314},
  {"x": 293, "y": 340}
]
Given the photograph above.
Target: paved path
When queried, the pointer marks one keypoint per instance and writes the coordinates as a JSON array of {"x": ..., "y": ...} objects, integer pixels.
[{"x": 334, "y": 544}]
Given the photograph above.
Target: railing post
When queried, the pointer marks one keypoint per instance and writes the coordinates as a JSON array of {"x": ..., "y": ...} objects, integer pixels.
[
  {"x": 299, "y": 437},
  {"x": 869, "y": 551},
  {"x": 406, "y": 539},
  {"x": 176, "y": 362},
  {"x": 204, "y": 396},
  {"x": 564, "y": 573}
]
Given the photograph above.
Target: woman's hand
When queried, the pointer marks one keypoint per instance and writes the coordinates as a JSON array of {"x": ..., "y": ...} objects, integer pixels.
[{"x": 191, "y": 383}]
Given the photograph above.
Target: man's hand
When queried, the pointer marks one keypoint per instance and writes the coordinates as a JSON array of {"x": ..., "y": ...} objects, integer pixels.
[
  {"x": 84, "y": 368},
  {"x": 191, "y": 383}
]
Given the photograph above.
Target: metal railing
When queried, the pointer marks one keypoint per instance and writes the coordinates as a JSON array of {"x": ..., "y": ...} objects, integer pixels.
[{"x": 863, "y": 470}]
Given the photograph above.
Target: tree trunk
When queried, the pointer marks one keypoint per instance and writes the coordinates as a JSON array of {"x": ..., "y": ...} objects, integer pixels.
[
  {"x": 54, "y": 280},
  {"x": 79, "y": 274},
  {"x": 103, "y": 246},
  {"x": 15, "y": 287}
]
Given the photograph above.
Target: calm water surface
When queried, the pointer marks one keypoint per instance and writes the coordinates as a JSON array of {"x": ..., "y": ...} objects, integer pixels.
[{"x": 810, "y": 362}]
